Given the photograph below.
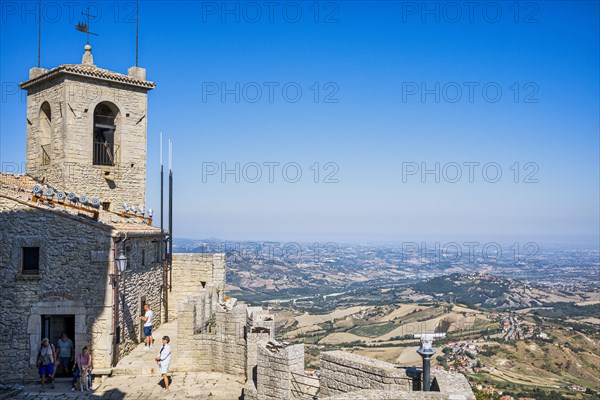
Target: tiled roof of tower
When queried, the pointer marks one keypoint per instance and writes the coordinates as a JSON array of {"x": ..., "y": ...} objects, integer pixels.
[
  {"x": 89, "y": 71},
  {"x": 20, "y": 188}
]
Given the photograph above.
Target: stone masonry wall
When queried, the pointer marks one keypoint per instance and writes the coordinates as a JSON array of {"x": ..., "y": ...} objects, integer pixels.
[
  {"x": 189, "y": 271},
  {"x": 278, "y": 366},
  {"x": 210, "y": 336},
  {"x": 260, "y": 329},
  {"x": 452, "y": 385},
  {"x": 390, "y": 395},
  {"x": 72, "y": 101},
  {"x": 343, "y": 372},
  {"x": 143, "y": 284},
  {"x": 75, "y": 261}
]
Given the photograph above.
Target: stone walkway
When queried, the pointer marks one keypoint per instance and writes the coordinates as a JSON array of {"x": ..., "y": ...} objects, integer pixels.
[
  {"x": 141, "y": 361},
  {"x": 137, "y": 377},
  {"x": 184, "y": 385}
]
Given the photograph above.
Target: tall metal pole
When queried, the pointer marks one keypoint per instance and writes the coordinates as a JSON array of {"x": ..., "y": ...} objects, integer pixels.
[
  {"x": 170, "y": 215},
  {"x": 115, "y": 354},
  {"x": 123, "y": 303},
  {"x": 39, "y": 32},
  {"x": 137, "y": 24},
  {"x": 162, "y": 234}
]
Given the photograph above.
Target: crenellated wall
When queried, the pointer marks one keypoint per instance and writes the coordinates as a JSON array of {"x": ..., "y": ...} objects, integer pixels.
[
  {"x": 211, "y": 337},
  {"x": 278, "y": 367},
  {"x": 230, "y": 337},
  {"x": 193, "y": 272}
]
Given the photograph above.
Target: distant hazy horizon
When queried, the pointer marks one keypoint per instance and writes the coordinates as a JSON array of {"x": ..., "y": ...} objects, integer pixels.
[
  {"x": 575, "y": 242},
  {"x": 352, "y": 121}
]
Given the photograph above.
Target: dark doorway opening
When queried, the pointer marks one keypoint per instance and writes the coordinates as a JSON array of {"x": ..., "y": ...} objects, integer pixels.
[{"x": 53, "y": 327}]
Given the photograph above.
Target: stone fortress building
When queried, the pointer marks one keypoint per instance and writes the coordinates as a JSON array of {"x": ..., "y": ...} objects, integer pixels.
[
  {"x": 72, "y": 260},
  {"x": 61, "y": 235}
]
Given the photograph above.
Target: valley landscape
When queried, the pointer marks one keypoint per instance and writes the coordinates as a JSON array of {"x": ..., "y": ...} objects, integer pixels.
[{"x": 523, "y": 327}]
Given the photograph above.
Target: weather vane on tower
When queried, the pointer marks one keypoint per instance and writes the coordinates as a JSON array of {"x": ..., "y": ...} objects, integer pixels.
[{"x": 85, "y": 26}]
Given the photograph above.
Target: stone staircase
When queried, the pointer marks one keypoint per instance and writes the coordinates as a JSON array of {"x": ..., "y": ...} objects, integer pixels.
[
  {"x": 131, "y": 376},
  {"x": 141, "y": 361}
]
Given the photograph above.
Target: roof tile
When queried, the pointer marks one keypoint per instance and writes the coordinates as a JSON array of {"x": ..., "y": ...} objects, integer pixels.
[
  {"x": 91, "y": 71},
  {"x": 20, "y": 188}
]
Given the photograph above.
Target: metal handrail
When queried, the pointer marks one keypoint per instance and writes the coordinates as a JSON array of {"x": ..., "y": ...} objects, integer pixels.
[{"x": 105, "y": 153}]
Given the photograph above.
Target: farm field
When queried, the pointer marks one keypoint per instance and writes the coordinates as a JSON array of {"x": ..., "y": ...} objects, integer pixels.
[{"x": 387, "y": 334}]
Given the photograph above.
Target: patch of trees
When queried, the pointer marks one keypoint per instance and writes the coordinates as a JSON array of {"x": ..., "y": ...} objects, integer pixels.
[
  {"x": 489, "y": 351},
  {"x": 453, "y": 288},
  {"x": 568, "y": 310},
  {"x": 443, "y": 326}
]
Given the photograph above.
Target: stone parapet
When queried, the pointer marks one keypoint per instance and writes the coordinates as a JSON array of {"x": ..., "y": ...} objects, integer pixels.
[
  {"x": 453, "y": 384},
  {"x": 389, "y": 395},
  {"x": 277, "y": 366},
  {"x": 343, "y": 372},
  {"x": 211, "y": 338}
]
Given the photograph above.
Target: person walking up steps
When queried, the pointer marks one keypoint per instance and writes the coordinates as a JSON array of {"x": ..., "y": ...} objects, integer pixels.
[
  {"x": 147, "y": 318},
  {"x": 164, "y": 359}
]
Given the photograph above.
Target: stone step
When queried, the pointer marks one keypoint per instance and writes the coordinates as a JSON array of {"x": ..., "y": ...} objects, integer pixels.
[
  {"x": 135, "y": 370},
  {"x": 141, "y": 361}
]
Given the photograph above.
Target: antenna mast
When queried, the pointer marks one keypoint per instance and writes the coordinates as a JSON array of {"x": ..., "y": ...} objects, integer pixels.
[
  {"x": 170, "y": 215},
  {"x": 162, "y": 236},
  {"x": 39, "y": 31},
  {"x": 137, "y": 27}
]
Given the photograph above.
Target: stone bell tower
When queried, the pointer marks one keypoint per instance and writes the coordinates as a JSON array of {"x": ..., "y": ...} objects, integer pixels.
[{"x": 86, "y": 130}]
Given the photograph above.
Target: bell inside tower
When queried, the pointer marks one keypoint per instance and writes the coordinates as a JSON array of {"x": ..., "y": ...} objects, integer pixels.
[{"x": 104, "y": 134}]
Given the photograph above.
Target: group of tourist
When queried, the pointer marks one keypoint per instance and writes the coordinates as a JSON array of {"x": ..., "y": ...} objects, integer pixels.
[{"x": 51, "y": 357}]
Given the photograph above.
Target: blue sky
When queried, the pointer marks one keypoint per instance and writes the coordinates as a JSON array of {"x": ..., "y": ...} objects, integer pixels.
[{"x": 401, "y": 85}]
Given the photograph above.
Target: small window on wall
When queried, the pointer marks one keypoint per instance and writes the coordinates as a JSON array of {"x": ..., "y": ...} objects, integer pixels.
[{"x": 30, "y": 260}]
